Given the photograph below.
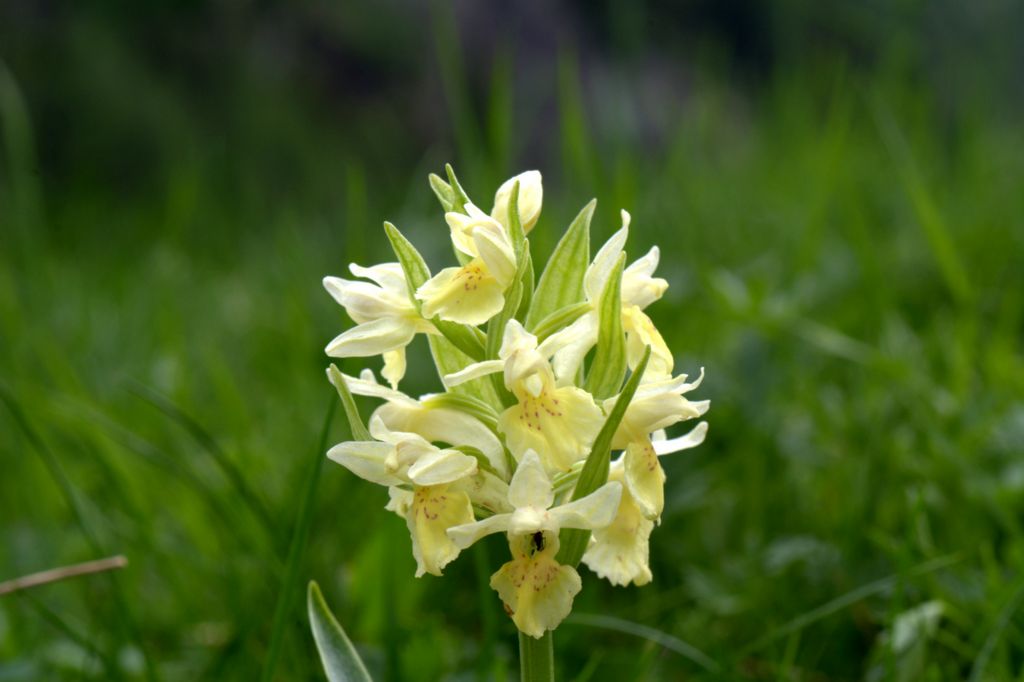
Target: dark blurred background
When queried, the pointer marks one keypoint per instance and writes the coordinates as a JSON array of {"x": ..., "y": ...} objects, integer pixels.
[{"x": 836, "y": 188}]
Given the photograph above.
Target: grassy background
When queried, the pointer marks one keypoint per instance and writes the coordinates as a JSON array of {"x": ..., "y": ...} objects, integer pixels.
[{"x": 837, "y": 196}]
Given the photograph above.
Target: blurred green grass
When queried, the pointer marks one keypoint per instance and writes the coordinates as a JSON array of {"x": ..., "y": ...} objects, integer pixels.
[{"x": 846, "y": 259}]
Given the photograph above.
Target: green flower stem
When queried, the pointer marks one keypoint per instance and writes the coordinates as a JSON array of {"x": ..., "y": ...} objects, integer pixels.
[{"x": 536, "y": 658}]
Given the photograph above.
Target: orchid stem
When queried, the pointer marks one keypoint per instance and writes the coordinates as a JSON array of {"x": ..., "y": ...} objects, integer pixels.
[{"x": 536, "y": 658}]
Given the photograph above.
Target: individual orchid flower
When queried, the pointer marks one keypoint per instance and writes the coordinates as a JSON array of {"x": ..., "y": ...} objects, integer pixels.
[
  {"x": 639, "y": 289},
  {"x": 619, "y": 551},
  {"x": 396, "y": 459},
  {"x": 475, "y": 292},
  {"x": 386, "y": 319},
  {"x": 536, "y": 589},
  {"x": 656, "y": 405},
  {"x": 427, "y": 417},
  {"x": 558, "y": 421}
]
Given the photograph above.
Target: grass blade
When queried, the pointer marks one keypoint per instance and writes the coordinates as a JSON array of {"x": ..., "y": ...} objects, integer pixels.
[
  {"x": 340, "y": 659},
  {"x": 684, "y": 649},
  {"x": 300, "y": 538}
]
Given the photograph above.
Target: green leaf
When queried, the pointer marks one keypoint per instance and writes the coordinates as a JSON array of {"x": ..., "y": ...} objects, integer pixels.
[
  {"x": 561, "y": 284},
  {"x": 528, "y": 288},
  {"x": 444, "y": 192},
  {"x": 462, "y": 402},
  {"x": 515, "y": 224},
  {"x": 355, "y": 422},
  {"x": 595, "y": 469},
  {"x": 469, "y": 340},
  {"x": 340, "y": 659},
  {"x": 560, "y": 319},
  {"x": 448, "y": 359},
  {"x": 303, "y": 501},
  {"x": 609, "y": 364},
  {"x": 413, "y": 265}
]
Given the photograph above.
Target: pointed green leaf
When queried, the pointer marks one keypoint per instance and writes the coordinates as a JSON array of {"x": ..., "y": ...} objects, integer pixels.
[
  {"x": 474, "y": 407},
  {"x": 444, "y": 192},
  {"x": 413, "y": 265},
  {"x": 609, "y": 364},
  {"x": 528, "y": 288},
  {"x": 340, "y": 659},
  {"x": 561, "y": 283},
  {"x": 467, "y": 339},
  {"x": 515, "y": 224},
  {"x": 448, "y": 359},
  {"x": 355, "y": 422},
  {"x": 595, "y": 469},
  {"x": 559, "y": 319}
]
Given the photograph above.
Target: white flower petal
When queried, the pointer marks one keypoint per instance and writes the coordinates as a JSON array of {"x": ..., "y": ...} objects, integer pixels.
[
  {"x": 691, "y": 440},
  {"x": 366, "y": 459},
  {"x": 366, "y": 385},
  {"x": 531, "y": 196},
  {"x": 388, "y": 276},
  {"x": 598, "y": 272},
  {"x": 441, "y": 466},
  {"x": 592, "y": 511},
  {"x": 473, "y": 371},
  {"x": 495, "y": 249},
  {"x": 465, "y": 535},
  {"x": 372, "y": 338},
  {"x": 530, "y": 486}
]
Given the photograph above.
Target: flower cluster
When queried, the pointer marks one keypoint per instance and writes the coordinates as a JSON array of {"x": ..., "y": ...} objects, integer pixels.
[{"x": 544, "y": 380}]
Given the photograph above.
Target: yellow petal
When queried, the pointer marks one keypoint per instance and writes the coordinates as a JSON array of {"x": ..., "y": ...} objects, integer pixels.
[
  {"x": 394, "y": 366},
  {"x": 469, "y": 295},
  {"x": 560, "y": 424},
  {"x": 537, "y": 591},
  {"x": 619, "y": 553},
  {"x": 645, "y": 479},
  {"x": 640, "y": 333},
  {"x": 433, "y": 510}
]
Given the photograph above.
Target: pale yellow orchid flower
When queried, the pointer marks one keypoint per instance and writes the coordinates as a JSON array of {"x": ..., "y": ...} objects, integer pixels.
[
  {"x": 536, "y": 589},
  {"x": 655, "y": 406},
  {"x": 560, "y": 422},
  {"x": 639, "y": 289},
  {"x": 386, "y": 319},
  {"x": 475, "y": 292}
]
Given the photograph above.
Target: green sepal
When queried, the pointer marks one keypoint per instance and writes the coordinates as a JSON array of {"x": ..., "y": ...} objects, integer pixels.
[
  {"x": 609, "y": 364},
  {"x": 560, "y": 319},
  {"x": 469, "y": 340},
  {"x": 355, "y": 422},
  {"x": 340, "y": 659},
  {"x": 594, "y": 473},
  {"x": 561, "y": 283}
]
